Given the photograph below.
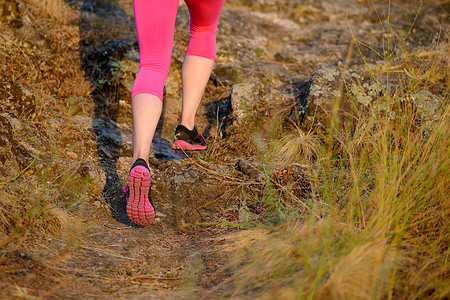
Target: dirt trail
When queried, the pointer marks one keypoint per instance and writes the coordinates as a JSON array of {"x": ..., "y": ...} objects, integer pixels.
[{"x": 266, "y": 41}]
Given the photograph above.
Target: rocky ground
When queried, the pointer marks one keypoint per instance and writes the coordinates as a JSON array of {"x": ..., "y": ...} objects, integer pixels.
[{"x": 65, "y": 124}]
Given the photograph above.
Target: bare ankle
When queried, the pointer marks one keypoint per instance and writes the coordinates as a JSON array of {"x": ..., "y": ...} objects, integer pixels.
[{"x": 188, "y": 124}]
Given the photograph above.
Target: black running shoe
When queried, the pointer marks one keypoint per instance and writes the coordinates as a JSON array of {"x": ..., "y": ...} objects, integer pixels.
[{"x": 188, "y": 139}]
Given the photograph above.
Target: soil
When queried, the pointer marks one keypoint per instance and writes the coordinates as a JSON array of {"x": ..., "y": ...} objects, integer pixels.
[{"x": 197, "y": 197}]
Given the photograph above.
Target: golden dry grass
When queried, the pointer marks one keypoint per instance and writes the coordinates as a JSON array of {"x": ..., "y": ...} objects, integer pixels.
[
  {"x": 298, "y": 146},
  {"x": 32, "y": 190},
  {"x": 377, "y": 226},
  {"x": 36, "y": 59},
  {"x": 58, "y": 10},
  {"x": 383, "y": 232}
]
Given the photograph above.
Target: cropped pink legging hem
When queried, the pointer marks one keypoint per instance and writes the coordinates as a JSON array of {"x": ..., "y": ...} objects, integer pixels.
[{"x": 155, "y": 26}]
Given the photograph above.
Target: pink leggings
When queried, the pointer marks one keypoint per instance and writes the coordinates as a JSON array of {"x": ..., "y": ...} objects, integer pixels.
[{"x": 155, "y": 25}]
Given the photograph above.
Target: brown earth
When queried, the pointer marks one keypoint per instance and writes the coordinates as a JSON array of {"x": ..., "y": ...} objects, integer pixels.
[{"x": 65, "y": 108}]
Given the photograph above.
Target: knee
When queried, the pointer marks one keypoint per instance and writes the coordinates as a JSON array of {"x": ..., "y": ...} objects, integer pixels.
[{"x": 203, "y": 41}]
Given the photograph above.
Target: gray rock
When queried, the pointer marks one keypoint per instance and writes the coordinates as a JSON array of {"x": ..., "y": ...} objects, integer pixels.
[
  {"x": 117, "y": 48},
  {"x": 427, "y": 107},
  {"x": 427, "y": 104},
  {"x": 133, "y": 55},
  {"x": 329, "y": 90},
  {"x": 111, "y": 135},
  {"x": 326, "y": 88},
  {"x": 249, "y": 98}
]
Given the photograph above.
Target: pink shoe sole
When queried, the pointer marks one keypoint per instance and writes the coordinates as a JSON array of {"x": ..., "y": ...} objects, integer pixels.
[
  {"x": 183, "y": 145},
  {"x": 139, "y": 208}
]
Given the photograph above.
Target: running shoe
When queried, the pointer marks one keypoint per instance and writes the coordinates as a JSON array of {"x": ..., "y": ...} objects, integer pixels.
[
  {"x": 188, "y": 139},
  {"x": 140, "y": 207}
]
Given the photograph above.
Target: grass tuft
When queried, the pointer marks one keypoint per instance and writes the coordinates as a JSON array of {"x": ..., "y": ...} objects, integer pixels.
[{"x": 297, "y": 146}]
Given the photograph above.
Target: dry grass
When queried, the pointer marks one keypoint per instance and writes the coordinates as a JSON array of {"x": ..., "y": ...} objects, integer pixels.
[
  {"x": 35, "y": 58},
  {"x": 292, "y": 261},
  {"x": 298, "y": 146},
  {"x": 382, "y": 233},
  {"x": 39, "y": 183},
  {"x": 43, "y": 178},
  {"x": 378, "y": 219},
  {"x": 58, "y": 10},
  {"x": 360, "y": 274}
]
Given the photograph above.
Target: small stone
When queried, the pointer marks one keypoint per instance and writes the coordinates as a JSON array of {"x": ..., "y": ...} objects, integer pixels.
[{"x": 123, "y": 103}]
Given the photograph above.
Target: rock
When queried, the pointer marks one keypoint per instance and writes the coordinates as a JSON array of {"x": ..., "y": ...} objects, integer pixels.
[
  {"x": 362, "y": 89},
  {"x": 251, "y": 99},
  {"x": 244, "y": 98},
  {"x": 284, "y": 56},
  {"x": 326, "y": 88},
  {"x": 117, "y": 49},
  {"x": 251, "y": 169},
  {"x": 132, "y": 55},
  {"x": 111, "y": 135},
  {"x": 228, "y": 74},
  {"x": 427, "y": 104},
  {"x": 316, "y": 98},
  {"x": 163, "y": 150}
]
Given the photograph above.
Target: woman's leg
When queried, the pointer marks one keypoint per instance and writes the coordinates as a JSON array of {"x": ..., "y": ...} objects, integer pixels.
[
  {"x": 200, "y": 56},
  {"x": 195, "y": 74},
  {"x": 146, "y": 112},
  {"x": 155, "y": 23}
]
